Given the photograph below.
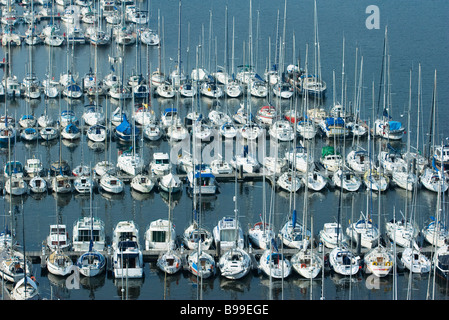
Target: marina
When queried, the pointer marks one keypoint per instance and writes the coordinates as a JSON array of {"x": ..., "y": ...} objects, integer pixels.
[{"x": 156, "y": 151}]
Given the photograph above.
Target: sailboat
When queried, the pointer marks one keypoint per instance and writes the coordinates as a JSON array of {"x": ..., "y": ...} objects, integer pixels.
[
  {"x": 332, "y": 235},
  {"x": 403, "y": 232},
  {"x": 25, "y": 288},
  {"x": 169, "y": 261},
  {"x": 379, "y": 260},
  {"x": 369, "y": 233},
  {"x": 58, "y": 262},
  {"x": 274, "y": 264},
  {"x": 92, "y": 262},
  {"x": 293, "y": 234},
  {"x": 235, "y": 263},
  {"x": 384, "y": 127}
]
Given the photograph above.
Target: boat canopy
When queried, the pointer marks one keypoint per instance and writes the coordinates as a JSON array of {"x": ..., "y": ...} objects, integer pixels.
[
  {"x": 170, "y": 110},
  {"x": 335, "y": 121},
  {"x": 395, "y": 125},
  {"x": 328, "y": 150},
  {"x": 125, "y": 127}
]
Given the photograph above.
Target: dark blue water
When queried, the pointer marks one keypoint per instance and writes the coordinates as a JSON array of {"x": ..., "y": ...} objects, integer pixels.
[{"x": 417, "y": 34}]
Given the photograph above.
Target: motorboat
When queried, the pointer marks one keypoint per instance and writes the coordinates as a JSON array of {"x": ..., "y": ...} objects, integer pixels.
[
  {"x": 58, "y": 238},
  {"x": 331, "y": 159},
  {"x": 160, "y": 235},
  {"x": 127, "y": 256},
  {"x": 228, "y": 234},
  {"x": 160, "y": 165},
  {"x": 33, "y": 167},
  {"x": 202, "y": 181},
  {"x": 86, "y": 229}
]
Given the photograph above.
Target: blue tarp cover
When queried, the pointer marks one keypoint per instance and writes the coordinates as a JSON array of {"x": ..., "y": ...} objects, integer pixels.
[{"x": 395, "y": 125}]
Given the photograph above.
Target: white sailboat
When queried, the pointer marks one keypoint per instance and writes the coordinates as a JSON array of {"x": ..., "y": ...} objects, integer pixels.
[
  {"x": 142, "y": 183},
  {"x": 365, "y": 228},
  {"x": 92, "y": 262},
  {"x": 274, "y": 264},
  {"x": 293, "y": 234},
  {"x": 236, "y": 262}
]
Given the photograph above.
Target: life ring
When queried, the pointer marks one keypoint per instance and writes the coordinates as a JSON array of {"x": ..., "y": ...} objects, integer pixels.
[
  {"x": 388, "y": 263},
  {"x": 303, "y": 265},
  {"x": 374, "y": 263},
  {"x": 177, "y": 264}
]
